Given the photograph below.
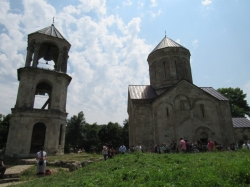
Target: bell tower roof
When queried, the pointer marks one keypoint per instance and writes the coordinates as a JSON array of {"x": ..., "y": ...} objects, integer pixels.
[
  {"x": 50, "y": 31},
  {"x": 167, "y": 42}
]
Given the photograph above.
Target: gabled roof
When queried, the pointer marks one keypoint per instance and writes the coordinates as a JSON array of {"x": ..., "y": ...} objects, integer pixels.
[
  {"x": 167, "y": 42},
  {"x": 141, "y": 92},
  {"x": 50, "y": 31},
  {"x": 214, "y": 93},
  {"x": 147, "y": 91},
  {"x": 241, "y": 122}
]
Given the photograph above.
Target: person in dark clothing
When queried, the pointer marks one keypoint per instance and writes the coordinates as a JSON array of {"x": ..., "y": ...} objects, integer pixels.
[
  {"x": 2, "y": 168},
  {"x": 187, "y": 146},
  {"x": 173, "y": 147}
]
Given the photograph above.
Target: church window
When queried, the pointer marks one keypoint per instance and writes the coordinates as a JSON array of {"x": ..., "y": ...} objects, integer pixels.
[
  {"x": 167, "y": 112},
  {"x": 175, "y": 67},
  {"x": 202, "y": 110},
  {"x": 182, "y": 107},
  {"x": 155, "y": 72},
  {"x": 164, "y": 65}
]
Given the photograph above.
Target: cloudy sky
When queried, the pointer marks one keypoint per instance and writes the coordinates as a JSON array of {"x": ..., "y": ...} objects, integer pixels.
[{"x": 111, "y": 40}]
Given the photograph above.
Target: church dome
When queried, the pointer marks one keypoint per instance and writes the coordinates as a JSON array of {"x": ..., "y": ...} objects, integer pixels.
[
  {"x": 167, "y": 42},
  {"x": 169, "y": 62}
]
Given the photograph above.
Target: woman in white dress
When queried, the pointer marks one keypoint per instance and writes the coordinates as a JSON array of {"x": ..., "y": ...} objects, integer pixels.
[{"x": 41, "y": 162}]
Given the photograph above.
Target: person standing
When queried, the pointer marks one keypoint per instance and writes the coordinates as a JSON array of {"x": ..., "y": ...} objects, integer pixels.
[
  {"x": 138, "y": 147},
  {"x": 210, "y": 145},
  {"x": 244, "y": 145},
  {"x": 41, "y": 162},
  {"x": 105, "y": 152},
  {"x": 2, "y": 168},
  {"x": 182, "y": 145},
  {"x": 173, "y": 147},
  {"x": 122, "y": 149},
  {"x": 187, "y": 146}
]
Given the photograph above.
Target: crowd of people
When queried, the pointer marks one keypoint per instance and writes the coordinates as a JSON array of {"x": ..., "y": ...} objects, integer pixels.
[{"x": 183, "y": 146}]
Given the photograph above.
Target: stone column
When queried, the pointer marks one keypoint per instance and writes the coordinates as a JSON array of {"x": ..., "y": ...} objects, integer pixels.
[
  {"x": 64, "y": 65},
  {"x": 35, "y": 59},
  {"x": 63, "y": 138},
  {"x": 59, "y": 61},
  {"x": 29, "y": 55}
]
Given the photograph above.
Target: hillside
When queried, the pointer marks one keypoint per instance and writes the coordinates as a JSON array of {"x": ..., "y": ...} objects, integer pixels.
[{"x": 143, "y": 169}]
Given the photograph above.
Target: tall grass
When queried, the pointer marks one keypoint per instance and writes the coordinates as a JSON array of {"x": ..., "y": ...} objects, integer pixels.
[{"x": 156, "y": 170}]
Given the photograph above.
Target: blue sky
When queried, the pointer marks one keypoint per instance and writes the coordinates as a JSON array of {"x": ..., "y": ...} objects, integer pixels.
[{"x": 111, "y": 41}]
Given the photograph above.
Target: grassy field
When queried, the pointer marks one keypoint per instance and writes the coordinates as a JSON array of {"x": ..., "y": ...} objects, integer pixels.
[{"x": 156, "y": 170}]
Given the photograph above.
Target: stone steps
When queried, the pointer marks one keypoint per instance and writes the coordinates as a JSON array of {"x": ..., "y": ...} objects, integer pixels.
[
  {"x": 8, "y": 180},
  {"x": 12, "y": 174}
]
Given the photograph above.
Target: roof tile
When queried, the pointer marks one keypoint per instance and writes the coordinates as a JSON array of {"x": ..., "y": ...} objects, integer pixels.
[{"x": 241, "y": 122}]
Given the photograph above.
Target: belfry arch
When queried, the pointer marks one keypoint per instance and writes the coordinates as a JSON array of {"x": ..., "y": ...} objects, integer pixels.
[{"x": 38, "y": 137}]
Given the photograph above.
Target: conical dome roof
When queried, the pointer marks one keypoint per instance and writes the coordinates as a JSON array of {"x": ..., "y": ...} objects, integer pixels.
[
  {"x": 51, "y": 31},
  {"x": 167, "y": 42}
]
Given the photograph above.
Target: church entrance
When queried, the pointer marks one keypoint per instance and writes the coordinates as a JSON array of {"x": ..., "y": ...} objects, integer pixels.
[
  {"x": 38, "y": 137},
  {"x": 204, "y": 141}
]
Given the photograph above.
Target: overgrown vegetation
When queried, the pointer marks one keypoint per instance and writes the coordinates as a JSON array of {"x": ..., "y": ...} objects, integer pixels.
[{"x": 144, "y": 169}]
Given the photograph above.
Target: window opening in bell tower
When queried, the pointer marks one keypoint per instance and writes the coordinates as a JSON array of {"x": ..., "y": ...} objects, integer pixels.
[
  {"x": 42, "y": 96},
  {"x": 48, "y": 55}
]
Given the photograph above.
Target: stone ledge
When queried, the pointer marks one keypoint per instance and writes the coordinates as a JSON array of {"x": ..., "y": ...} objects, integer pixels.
[{"x": 8, "y": 180}]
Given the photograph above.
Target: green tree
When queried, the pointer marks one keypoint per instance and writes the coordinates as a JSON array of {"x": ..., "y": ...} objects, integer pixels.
[
  {"x": 237, "y": 101},
  {"x": 111, "y": 134},
  {"x": 74, "y": 131},
  {"x": 125, "y": 133},
  {"x": 4, "y": 129},
  {"x": 91, "y": 141}
]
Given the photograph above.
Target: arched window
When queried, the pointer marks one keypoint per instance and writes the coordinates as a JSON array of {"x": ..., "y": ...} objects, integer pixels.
[
  {"x": 165, "y": 71},
  {"x": 38, "y": 137},
  {"x": 202, "y": 110},
  {"x": 155, "y": 72},
  {"x": 60, "y": 135},
  {"x": 175, "y": 67}
]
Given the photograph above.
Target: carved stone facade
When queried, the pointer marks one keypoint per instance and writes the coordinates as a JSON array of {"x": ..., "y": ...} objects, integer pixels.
[
  {"x": 172, "y": 107},
  {"x": 30, "y": 127}
]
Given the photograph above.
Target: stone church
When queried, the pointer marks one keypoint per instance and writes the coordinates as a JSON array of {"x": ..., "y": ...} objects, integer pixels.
[
  {"x": 32, "y": 127},
  {"x": 172, "y": 107}
]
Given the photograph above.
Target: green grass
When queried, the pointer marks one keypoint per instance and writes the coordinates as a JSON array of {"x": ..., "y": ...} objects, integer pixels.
[{"x": 143, "y": 169}]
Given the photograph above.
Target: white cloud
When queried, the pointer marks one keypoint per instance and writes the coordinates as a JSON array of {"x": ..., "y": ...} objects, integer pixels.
[
  {"x": 195, "y": 43},
  {"x": 127, "y": 3},
  {"x": 155, "y": 14},
  {"x": 153, "y": 3},
  {"x": 206, "y": 2},
  {"x": 101, "y": 63}
]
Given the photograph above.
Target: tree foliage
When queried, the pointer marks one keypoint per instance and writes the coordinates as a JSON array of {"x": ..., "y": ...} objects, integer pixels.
[
  {"x": 111, "y": 134},
  {"x": 74, "y": 130},
  {"x": 91, "y": 141},
  {"x": 125, "y": 133},
  {"x": 91, "y": 137},
  {"x": 237, "y": 101},
  {"x": 4, "y": 129}
]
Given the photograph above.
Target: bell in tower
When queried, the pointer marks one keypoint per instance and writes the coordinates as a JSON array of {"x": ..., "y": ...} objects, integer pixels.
[{"x": 32, "y": 127}]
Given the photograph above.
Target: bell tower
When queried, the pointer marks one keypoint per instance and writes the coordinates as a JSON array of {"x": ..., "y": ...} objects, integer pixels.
[{"x": 32, "y": 127}]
